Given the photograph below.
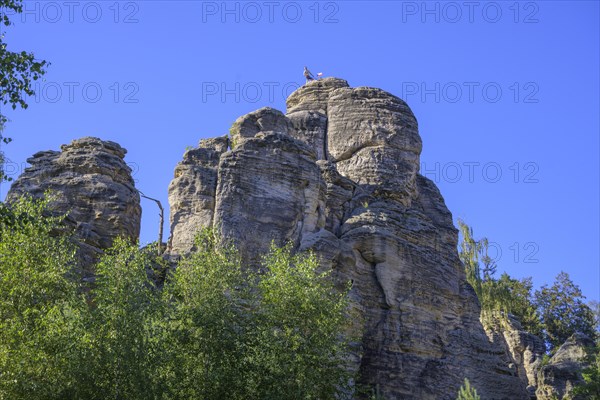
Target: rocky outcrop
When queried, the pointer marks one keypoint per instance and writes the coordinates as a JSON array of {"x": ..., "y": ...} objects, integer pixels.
[
  {"x": 338, "y": 174},
  {"x": 525, "y": 350},
  {"x": 192, "y": 193},
  {"x": 266, "y": 119},
  {"x": 279, "y": 197},
  {"x": 310, "y": 127},
  {"x": 92, "y": 185},
  {"x": 562, "y": 373},
  {"x": 372, "y": 136}
]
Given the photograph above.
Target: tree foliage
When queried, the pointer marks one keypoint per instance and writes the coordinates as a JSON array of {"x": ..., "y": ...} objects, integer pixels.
[
  {"x": 18, "y": 71},
  {"x": 495, "y": 298},
  {"x": 595, "y": 307},
  {"x": 215, "y": 330},
  {"x": 563, "y": 311},
  {"x": 120, "y": 350},
  {"x": 273, "y": 335},
  {"x": 467, "y": 392},
  {"x": 521, "y": 303},
  {"x": 208, "y": 323},
  {"x": 39, "y": 305},
  {"x": 553, "y": 313},
  {"x": 299, "y": 350},
  {"x": 590, "y": 388}
]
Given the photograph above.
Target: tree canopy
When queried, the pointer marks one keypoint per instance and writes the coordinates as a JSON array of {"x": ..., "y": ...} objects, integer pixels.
[
  {"x": 563, "y": 311},
  {"x": 18, "y": 71},
  {"x": 553, "y": 313},
  {"x": 215, "y": 329}
]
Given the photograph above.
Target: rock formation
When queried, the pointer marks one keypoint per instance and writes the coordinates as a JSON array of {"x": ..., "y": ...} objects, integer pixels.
[
  {"x": 524, "y": 349},
  {"x": 192, "y": 192},
  {"x": 563, "y": 372},
  {"x": 92, "y": 185},
  {"x": 339, "y": 174}
]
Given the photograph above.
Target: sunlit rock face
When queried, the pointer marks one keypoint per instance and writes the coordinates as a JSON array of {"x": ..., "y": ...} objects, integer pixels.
[
  {"x": 339, "y": 174},
  {"x": 525, "y": 350},
  {"x": 192, "y": 192},
  {"x": 557, "y": 379},
  {"x": 90, "y": 183}
]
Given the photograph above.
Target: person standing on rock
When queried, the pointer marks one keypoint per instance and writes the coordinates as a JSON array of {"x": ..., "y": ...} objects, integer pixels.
[{"x": 308, "y": 75}]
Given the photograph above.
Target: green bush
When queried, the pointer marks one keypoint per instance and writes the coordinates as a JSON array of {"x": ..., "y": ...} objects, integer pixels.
[
  {"x": 243, "y": 335},
  {"x": 39, "y": 305},
  {"x": 590, "y": 388},
  {"x": 216, "y": 330}
]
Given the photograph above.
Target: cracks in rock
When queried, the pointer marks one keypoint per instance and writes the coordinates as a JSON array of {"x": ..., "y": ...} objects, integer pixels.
[
  {"x": 384, "y": 303},
  {"x": 326, "y": 138},
  {"x": 350, "y": 153}
]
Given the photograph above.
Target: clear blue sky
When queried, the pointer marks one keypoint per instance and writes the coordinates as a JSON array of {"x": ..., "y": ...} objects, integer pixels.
[{"x": 506, "y": 94}]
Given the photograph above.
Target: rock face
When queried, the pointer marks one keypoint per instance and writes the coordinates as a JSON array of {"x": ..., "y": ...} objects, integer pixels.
[
  {"x": 192, "y": 192},
  {"x": 92, "y": 184},
  {"x": 524, "y": 349},
  {"x": 280, "y": 196},
  {"x": 563, "y": 372},
  {"x": 338, "y": 174}
]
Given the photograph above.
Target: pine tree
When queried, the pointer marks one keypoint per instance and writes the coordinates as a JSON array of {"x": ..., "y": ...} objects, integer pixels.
[
  {"x": 522, "y": 304},
  {"x": 563, "y": 311},
  {"x": 467, "y": 392}
]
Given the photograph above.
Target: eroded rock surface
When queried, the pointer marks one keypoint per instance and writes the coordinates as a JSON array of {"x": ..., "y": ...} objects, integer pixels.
[
  {"x": 373, "y": 139},
  {"x": 524, "y": 349},
  {"x": 266, "y": 119},
  {"x": 278, "y": 197},
  {"x": 557, "y": 379},
  {"x": 192, "y": 193},
  {"x": 92, "y": 184},
  {"x": 339, "y": 174}
]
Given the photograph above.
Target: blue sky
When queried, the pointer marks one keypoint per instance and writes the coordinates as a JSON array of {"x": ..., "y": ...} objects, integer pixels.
[{"x": 506, "y": 95}]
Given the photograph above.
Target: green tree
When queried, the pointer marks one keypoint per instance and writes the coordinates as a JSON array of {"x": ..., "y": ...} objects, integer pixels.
[
  {"x": 467, "y": 392},
  {"x": 522, "y": 303},
  {"x": 563, "y": 311},
  {"x": 495, "y": 298},
  {"x": 298, "y": 347},
  {"x": 215, "y": 331},
  {"x": 120, "y": 350},
  {"x": 39, "y": 305},
  {"x": 18, "y": 71},
  {"x": 209, "y": 323},
  {"x": 237, "y": 334},
  {"x": 595, "y": 307},
  {"x": 590, "y": 389}
]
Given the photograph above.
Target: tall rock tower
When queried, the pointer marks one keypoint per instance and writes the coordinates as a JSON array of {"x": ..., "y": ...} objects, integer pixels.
[
  {"x": 339, "y": 174},
  {"x": 92, "y": 185}
]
